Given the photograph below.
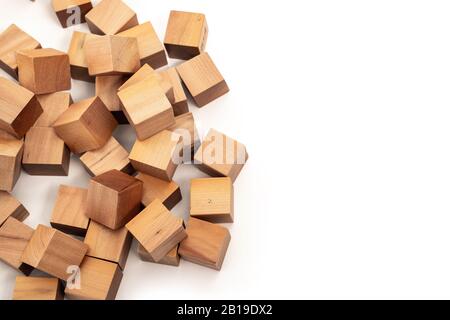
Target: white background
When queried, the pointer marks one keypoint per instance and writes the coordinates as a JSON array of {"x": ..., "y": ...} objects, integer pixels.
[{"x": 344, "y": 108}]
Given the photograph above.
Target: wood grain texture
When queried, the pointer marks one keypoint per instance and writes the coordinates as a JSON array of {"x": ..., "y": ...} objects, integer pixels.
[
  {"x": 45, "y": 154},
  {"x": 206, "y": 244},
  {"x": 179, "y": 103},
  {"x": 87, "y": 125},
  {"x": 186, "y": 34},
  {"x": 53, "y": 105},
  {"x": 168, "y": 192},
  {"x": 106, "y": 88},
  {"x": 171, "y": 259},
  {"x": 66, "y": 9},
  {"x": 77, "y": 57},
  {"x": 202, "y": 79},
  {"x": 111, "y": 17},
  {"x": 69, "y": 211},
  {"x": 38, "y": 288},
  {"x": 185, "y": 127},
  {"x": 11, "y": 207},
  {"x": 157, "y": 230},
  {"x": 11, "y": 151}
]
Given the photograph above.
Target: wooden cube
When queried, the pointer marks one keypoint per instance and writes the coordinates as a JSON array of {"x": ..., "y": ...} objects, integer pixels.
[
  {"x": 54, "y": 105},
  {"x": 11, "y": 151},
  {"x": 38, "y": 288},
  {"x": 146, "y": 108},
  {"x": 77, "y": 56},
  {"x": 53, "y": 252},
  {"x": 157, "y": 230},
  {"x": 171, "y": 259},
  {"x": 221, "y": 156},
  {"x": 44, "y": 70},
  {"x": 185, "y": 127},
  {"x": 14, "y": 238},
  {"x": 206, "y": 244},
  {"x": 107, "y": 244},
  {"x": 11, "y": 208},
  {"x": 114, "y": 198},
  {"x": 71, "y": 12},
  {"x": 186, "y": 34},
  {"x": 69, "y": 212},
  {"x": 106, "y": 88},
  {"x": 202, "y": 79},
  {"x": 45, "y": 154},
  {"x": 87, "y": 125},
  {"x": 19, "y": 108},
  {"x": 168, "y": 193},
  {"x": 100, "y": 280},
  {"x": 111, "y": 17},
  {"x": 12, "y": 40},
  {"x": 151, "y": 50},
  {"x": 157, "y": 156},
  {"x": 179, "y": 103},
  {"x": 111, "y": 156},
  {"x": 112, "y": 55}
]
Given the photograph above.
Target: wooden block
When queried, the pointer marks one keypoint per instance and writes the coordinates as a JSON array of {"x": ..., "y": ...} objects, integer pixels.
[
  {"x": 77, "y": 57},
  {"x": 38, "y": 288},
  {"x": 206, "y": 244},
  {"x": 111, "y": 156},
  {"x": 71, "y": 12},
  {"x": 171, "y": 259},
  {"x": 168, "y": 193},
  {"x": 11, "y": 208},
  {"x": 54, "y": 105},
  {"x": 221, "y": 156},
  {"x": 100, "y": 280},
  {"x": 44, "y": 70},
  {"x": 45, "y": 154},
  {"x": 107, "y": 244},
  {"x": 12, "y": 40},
  {"x": 14, "y": 237},
  {"x": 186, "y": 34},
  {"x": 53, "y": 252},
  {"x": 112, "y": 55},
  {"x": 111, "y": 17},
  {"x": 202, "y": 79},
  {"x": 157, "y": 230},
  {"x": 19, "y": 108},
  {"x": 212, "y": 200},
  {"x": 146, "y": 108},
  {"x": 87, "y": 125},
  {"x": 114, "y": 198},
  {"x": 106, "y": 88},
  {"x": 179, "y": 103},
  {"x": 157, "y": 156},
  {"x": 69, "y": 212},
  {"x": 151, "y": 50},
  {"x": 11, "y": 151},
  {"x": 185, "y": 126}
]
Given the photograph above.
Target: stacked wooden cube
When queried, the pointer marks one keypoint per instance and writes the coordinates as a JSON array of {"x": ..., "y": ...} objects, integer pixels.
[{"x": 131, "y": 194}]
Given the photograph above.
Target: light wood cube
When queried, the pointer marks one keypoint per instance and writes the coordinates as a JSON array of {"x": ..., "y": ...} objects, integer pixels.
[
  {"x": 54, "y": 105},
  {"x": 168, "y": 192},
  {"x": 185, "y": 127},
  {"x": 78, "y": 64},
  {"x": 38, "y": 288},
  {"x": 171, "y": 259},
  {"x": 106, "y": 88},
  {"x": 186, "y": 34},
  {"x": 71, "y": 12},
  {"x": 111, "y": 17},
  {"x": 87, "y": 125},
  {"x": 11, "y": 151},
  {"x": 179, "y": 103},
  {"x": 11, "y": 208}
]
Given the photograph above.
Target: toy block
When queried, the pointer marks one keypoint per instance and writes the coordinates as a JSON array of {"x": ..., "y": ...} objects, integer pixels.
[
  {"x": 53, "y": 252},
  {"x": 212, "y": 200},
  {"x": 77, "y": 56},
  {"x": 112, "y": 55},
  {"x": 99, "y": 280},
  {"x": 44, "y": 70},
  {"x": 106, "y": 88},
  {"x": 11, "y": 151},
  {"x": 107, "y": 244},
  {"x": 168, "y": 193},
  {"x": 45, "y": 154},
  {"x": 87, "y": 125},
  {"x": 158, "y": 156},
  {"x": 19, "y": 108},
  {"x": 202, "y": 79},
  {"x": 151, "y": 50},
  {"x": 71, "y": 12},
  {"x": 38, "y": 288},
  {"x": 146, "y": 108},
  {"x": 186, "y": 34},
  {"x": 54, "y": 105},
  {"x": 11, "y": 208},
  {"x": 206, "y": 244},
  {"x": 221, "y": 156},
  {"x": 111, "y": 17},
  {"x": 12, "y": 40},
  {"x": 69, "y": 211},
  {"x": 14, "y": 237},
  {"x": 111, "y": 156},
  {"x": 185, "y": 126},
  {"x": 171, "y": 259},
  {"x": 114, "y": 198},
  {"x": 179, "y": 103},
  {"x": 157, "y": 230}
]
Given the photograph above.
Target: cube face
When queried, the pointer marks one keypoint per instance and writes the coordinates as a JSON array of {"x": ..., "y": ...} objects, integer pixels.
[
  {"x": 11, "y": 208},
  {"x": 186, "y": 34},
  {"x": 111, "y": 17},
  {"x": 77, "y": 56},
  {"x": 71, "y": 12},
  {"x": 171, "y": 259},
  {"x": 53, "y": 105},
  {"x": 106, "y": 88},
  {"x": 168, "y": 193},
  {"x": 185, "y": 127},
  {"x": 179, "y": 103},
  {"x": 34, "y": 288},
  {"x": 11, "y": 152}
]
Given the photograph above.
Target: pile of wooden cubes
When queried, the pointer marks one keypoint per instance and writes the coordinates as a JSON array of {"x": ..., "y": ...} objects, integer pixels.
[{"x": 130, "y": 195}]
